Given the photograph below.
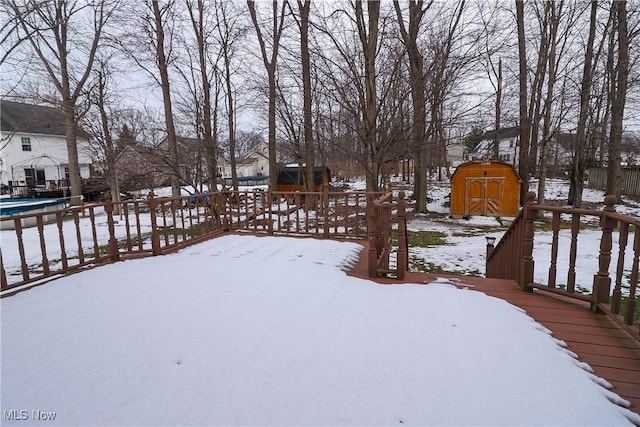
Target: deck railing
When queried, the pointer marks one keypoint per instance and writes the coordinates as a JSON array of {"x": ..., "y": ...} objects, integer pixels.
[
  {"x": 380, "y": 234},
  {"x": 513, "y": 257},
  {"x": 88, "y": 235}
]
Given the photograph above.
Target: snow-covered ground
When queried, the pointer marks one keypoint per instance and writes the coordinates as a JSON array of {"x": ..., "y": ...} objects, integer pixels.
[
  {"x": 245, "y": 330},
  {"x": 465, "y": 249},
  {"x": 270, "y": 331}
]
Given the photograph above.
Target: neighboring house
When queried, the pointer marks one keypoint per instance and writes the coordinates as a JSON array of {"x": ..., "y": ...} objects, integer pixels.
[
  {"x": 139, "y": 167},
  {"x": 559, "y": 150},
  {"x": 255, "y": 163},
  {"x": 508, "y": 140},
  {"x": 191, "y": 158},
  {"x": 33, "y": 148},
  {"x": 455, "y": 153}
]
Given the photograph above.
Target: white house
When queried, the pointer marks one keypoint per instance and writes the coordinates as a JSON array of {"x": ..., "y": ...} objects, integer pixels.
[
  {"x": 558, "y": 151},
  {"x": 255, "y": 163},
  {"x": 33, "y": 148},
  {"x": 508, "y": 140}
]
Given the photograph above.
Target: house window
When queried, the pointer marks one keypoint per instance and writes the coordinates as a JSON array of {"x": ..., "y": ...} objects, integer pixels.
[
  {"x": 34, "y": 177},
  {"x": 26, "y": 144}
]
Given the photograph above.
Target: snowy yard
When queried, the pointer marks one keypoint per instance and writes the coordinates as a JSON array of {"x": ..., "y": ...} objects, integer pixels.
[
  {"x": 464, "y": 249},
  {"x": 245, "y": 330}
]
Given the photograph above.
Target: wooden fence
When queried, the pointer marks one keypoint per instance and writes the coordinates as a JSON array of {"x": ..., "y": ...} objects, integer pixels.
[
  {"x": 513, "y": 257},
  {"x": 629, "y": 182},
  {"x": 80, "y": 237}
]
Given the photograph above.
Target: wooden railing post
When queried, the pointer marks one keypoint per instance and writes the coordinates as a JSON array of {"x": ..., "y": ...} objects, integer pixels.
[
  {"x": 487, "y": 265},
  {"x": 623, "y": 237},
  {"x": 325, "y": 207},
  {"x": 633, "y": 280},
  {"x": 113, "y": 242},
  {"x": 372, "y": 235},
  {"x": 602, "y": 280},
  {"x": 269, "y": 206},
  {"x": 3, "y": 278},
  {"x": 155, "y": 238},
  {"x": 527, "y": 266},
  {"x": 402, "y": 260}
]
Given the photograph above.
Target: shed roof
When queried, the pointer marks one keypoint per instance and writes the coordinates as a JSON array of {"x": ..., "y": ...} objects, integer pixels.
[
  {"x": 486, "y": 163},
  {"x": 29, "y": 118}
]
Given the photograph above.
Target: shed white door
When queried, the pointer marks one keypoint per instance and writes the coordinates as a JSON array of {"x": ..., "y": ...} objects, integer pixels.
[{"x": 483, "y": 195}]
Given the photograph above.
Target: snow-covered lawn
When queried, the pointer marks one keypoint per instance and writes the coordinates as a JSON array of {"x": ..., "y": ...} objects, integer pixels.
[
  {"x": 464, "y": 251},
  {"x": 245, "y": 330}
]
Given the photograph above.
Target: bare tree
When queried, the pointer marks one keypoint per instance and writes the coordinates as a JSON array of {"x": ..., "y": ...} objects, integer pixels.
[
  {"x": 102, "y": 129},
  {"x": 305, "y": 57},
  {"x": 525, "y": 126},
  {"x": 366, "y": 89},
  {"x": 148, "y": 40},
  {"x": 579, "y": 161},
  {"x": 410, "y": 35},
  {"x": 270, "y": 64},
  {"x": 66, "y": 47},
  {"x": 160, "y": 16},
  {"x": 230, "y": 31},
  {"x": 619, "y": 94},
  {"x": 443, "y": 70},
  {"x": 551, "y": 58},
  {"x": 197, "y": 11}
]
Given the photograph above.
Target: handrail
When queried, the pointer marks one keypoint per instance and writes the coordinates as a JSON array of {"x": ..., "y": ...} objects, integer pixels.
[
  {"x": 379, "y": 231},
  {"x": 513, "y": 258},
  {"x": 159, "y": 225}
]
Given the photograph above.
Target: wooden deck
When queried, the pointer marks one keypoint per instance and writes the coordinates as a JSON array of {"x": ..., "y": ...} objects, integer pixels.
[{"x": 612, "y": 353}]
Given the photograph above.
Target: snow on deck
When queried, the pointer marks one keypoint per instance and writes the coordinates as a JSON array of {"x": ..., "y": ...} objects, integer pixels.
[{"x": 245, "y": 330}]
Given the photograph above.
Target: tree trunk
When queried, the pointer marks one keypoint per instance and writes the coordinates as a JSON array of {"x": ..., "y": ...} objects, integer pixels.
[
  {"x": 416, "y": 78},
  {"x": 75, "y": 182},
  {"x": 546, "y": 125},
  {"x": 370, "y": 45},
  {"x": 270, "y": 62},
  {"x": 303, "y": 7},
  {"x": 524, "y": 117},
  {"x": 614, "y": 167},
  {"x": 417, "y": 82},
  {"x": 161, "y": 59},
  {"x": 209, "y": 142},
  {"x": 579, "y": 161},
  {"x": 496, "y": 140}
]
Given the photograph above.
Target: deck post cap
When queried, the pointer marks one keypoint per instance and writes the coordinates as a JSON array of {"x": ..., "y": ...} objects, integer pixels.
[{"x": 530, "y": 197}]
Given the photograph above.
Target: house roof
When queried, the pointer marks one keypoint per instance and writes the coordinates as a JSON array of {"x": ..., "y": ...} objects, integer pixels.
[
  {"x": 503, "y": 133},
  {"x": 566, "y": 140},
  {"x": 29, "y": 118},
  {"x": 183, "y": 142},
  {"x": 143, "y": 152}
]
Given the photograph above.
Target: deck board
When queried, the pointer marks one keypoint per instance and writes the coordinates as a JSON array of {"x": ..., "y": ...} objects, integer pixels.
[{"x": 611, "y": 352}]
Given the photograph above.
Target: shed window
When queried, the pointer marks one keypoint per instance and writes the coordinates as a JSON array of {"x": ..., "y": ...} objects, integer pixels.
[{"x": 26, "y": 144}]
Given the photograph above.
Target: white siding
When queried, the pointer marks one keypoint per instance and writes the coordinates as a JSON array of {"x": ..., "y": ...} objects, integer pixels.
[{"x": 48, "y": 153}]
